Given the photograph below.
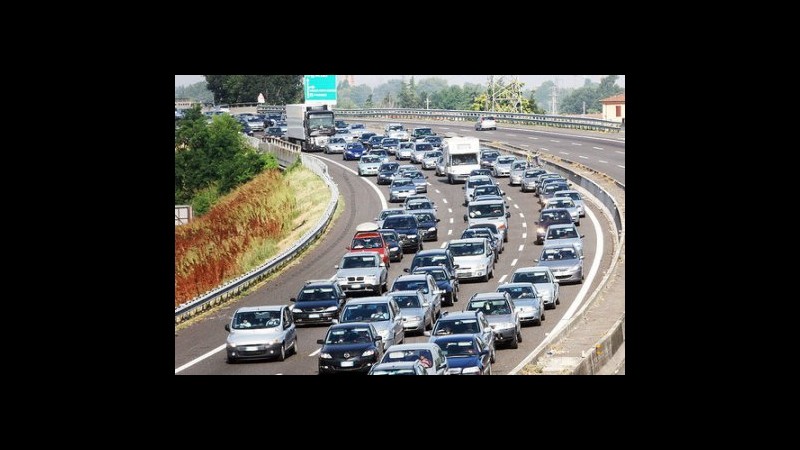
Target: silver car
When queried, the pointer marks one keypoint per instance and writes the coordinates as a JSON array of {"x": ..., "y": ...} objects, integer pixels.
[
  {"x": 381, "y": 152},
  {"x": 419, "y": 179},
  {"x": 518, "y": 168},
  {"x": 473, "y": 182},
  {"x": 474, "y": 257},
  {"x": 420, "y": 148},
  {"x": 405, "y": 150},
  {"x": 426, "y": 285},
  {"x": 417, "y": 314},
  {"x": 543, "y": 280},
  {"x": 502, "y": 316},
  {"x": 369, "y": 165},
  {"x": 564, "y": 234},
  {"x": 335, "y": 145},
  {"x": 430, "y": 158},
  {"x": 386, "y": 213},
  {"x": 565, "y": 261},
  {"x": 257, "y": 332},
  {"x": 398, "y": 368},
  {"x": 529, "y": 179},
  {"x": 428, "y": 354},
  {"x": 440, "y": 167},
  {"x": 576, "y": 198},
  {"x": 502, "y": 166},
  {"x": 362, "y": 272},
  {"x": 527, "y": 301},
  {"x": 382, "y": 312},
  {"x": 401, "y": 188},
  {"x": 565, "y": 203}
]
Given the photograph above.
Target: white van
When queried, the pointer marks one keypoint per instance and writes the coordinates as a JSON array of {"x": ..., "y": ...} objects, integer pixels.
[{"x": 461, "y": 155}]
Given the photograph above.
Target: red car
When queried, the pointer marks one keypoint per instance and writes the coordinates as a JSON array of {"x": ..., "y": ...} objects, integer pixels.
[{"x": 367, "y": 239}]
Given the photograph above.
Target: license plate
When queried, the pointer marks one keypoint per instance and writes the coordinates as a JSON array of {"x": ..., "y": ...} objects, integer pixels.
[
  {"x": 252, "y": 348},
  {"x": 355, "y": 286},
  {"x": 313, "y": 316},
  {"x": 347, "y": 363}
]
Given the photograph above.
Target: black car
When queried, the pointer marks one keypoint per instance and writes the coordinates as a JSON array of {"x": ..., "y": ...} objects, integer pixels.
[
  {"x": 433, "y": 257},
  {"x": 319, "y": 301},
  {"x": 374, "y": 142},
  {"x": 427, "y": 224},
  {"x": 393, "y": 242},
  {"x": 349, "y": 347},
  {"x": 365, "y": 137},
  {"x": 550, "y": 216},
  {"x": 407, "y": 229},
  {"x": 446, "y": 281},
  {"x": 387, "y": 172}
]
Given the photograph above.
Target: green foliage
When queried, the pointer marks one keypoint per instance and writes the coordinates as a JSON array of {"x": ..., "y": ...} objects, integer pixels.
[
  {"x": 590, "y": 93},
  {"x": 204, "y": 200},
  {"x": 277, "y": 89},
  {"x": 368, "y": 104},
  {"x": 197, "y": 91},
  {"x": 215, "y": 155}
]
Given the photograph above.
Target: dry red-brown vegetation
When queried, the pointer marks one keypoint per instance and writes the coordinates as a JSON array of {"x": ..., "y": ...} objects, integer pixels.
[{"x": 207, "y": 250}]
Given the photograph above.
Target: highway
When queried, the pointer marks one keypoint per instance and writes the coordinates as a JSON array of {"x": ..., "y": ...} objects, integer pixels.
[{"x": 199, "y": 348}]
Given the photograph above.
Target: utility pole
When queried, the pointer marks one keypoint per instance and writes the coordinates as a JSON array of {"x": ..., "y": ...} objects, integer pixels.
[
  {"x": 584, "y": 108},
  {"x": 554, "y": 95},
  {"x": 427, "y": 101}
]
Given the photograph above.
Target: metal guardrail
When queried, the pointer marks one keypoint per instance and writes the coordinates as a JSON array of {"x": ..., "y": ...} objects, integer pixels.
[
  {"x": 582, "y": 123},
  {"x": 236, "y": 285}
]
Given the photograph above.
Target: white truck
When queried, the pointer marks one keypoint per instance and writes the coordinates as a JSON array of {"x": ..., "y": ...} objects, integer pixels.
[
  {"x": 461, "y": 156},
  {"x": 309, "y": 126}
]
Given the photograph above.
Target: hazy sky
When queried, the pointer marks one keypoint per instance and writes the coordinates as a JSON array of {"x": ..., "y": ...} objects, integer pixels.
[{"x": 531, "y": 81}]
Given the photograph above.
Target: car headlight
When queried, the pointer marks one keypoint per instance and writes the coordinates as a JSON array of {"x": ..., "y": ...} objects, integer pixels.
[
  {"x": 394, "y": 249},
  {"x": 576, "y": 268},
  {"x": 505, "y": 326},
  {"x": 369, "y": 352},
  {"x": 384, "y": 334},
  {"x": 540, "y": 230},
  {"x": 546, "y": 296},
  {"x": 471, "y": 371},
  {"x": 331, "y": 308},
  {"x": 232, "y": 344},
  {"x": 371, "y": 278},
  {"x": 480, "y": 267},
  {"x": 341, "y": 279},
  {"x": 297, "y": 311},
  {"x": 325, "y": 356},
  {"x": 431, "y": 229},
  {"x": 414, "y": 318}
]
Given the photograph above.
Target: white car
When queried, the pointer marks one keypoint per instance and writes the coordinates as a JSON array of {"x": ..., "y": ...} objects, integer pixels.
[
  {"x": 485, "y": 123},
  {"x": 474, "y": 258}
]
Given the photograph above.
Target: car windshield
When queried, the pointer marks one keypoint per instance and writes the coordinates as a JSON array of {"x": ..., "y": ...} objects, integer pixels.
[
  {"x": 371, "y": 159},
  {"x": 415, "y": 175},
  {"x": 490, "y": 210},
  {"x": 316, "y": 294},
  {"x": 399, "y": 222},
  {"x": 317, "y": 121},
  {"x": 385, "y": 214},
  {"x": 395, "y": 371},
  {"x": 505, "y": 160},
  {"x": 552, "y": 254},
  {"x": 390, "y": 142},
  {"x": 490, "y": 307},
  {"x": 401, "y": 183},
  {"x": 423, "y": 217},
  {"x": 434, "y": 154},
  {"x": 437, "y": 275},
  {"x": 423, "y": 132},
  {"x": 409, "y": 355},
  {"x": 445, "y": 327},
  {"x": 572, "y": 195},
  {"x": 407, "y": 301},
  {"x": 478, "y": 182},
  {"x": 410, "y": 285},
  {"x": 517, "y": 292},
  {"x": 372, "y": 242},
  {"x": 559, "y": 203},
  {"x": 461, "y": 160},
  {"x": 553, "y": 216},
  {"x": 490, "y": 226},
  {"x": 356, "y": 126},
  {"x": 389, "y": 167},
  {"x": 518, "y": 166},
  {"x": 460, "y": 349},
  {"x": 530, "y": 277},
  {"x": 355, "y": 147},
  {"x": 348, "y": 336},
  {"x": 430, "y": 260},
  {"x": 486, "y": 190},
  {"x": 561, "y": 233},
  {"x": 466, "y": 248},
  {"x": 369, "y": 312},
  {"x": 335, "y": 140},
  {"x": 252, "y": 320},
  {"x": 419, "y": 205},
  {"x": 356, "y": 262},
  {"x": 390, "y": 237}
]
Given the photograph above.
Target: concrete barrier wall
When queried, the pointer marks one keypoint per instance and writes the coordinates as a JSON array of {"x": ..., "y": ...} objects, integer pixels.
[{"x": 606, "y": 347}]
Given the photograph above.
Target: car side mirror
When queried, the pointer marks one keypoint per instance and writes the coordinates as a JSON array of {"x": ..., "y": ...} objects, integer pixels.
[
  {"x": 336, "y": 266},
  {"x": 227, "y": 327},
  {"x": 484, "y": 352},
  {"x": 382, "y": 264},
  {"x": 456, "y": 266},
  {"x": 508, "y": 214},
  {"x": 463, "y": 188},
  {"x": 535, "y": 260},
  {"x": 377, "y": 338},
  {"x": 465, "y": 217},
  {"x": 321, "y": 341},
  {"x": 439, "y": 220},
  {"x": 583, "y": 235},
  {"x": 502, "y": 192},
  {"x": 426, "y": 333},
  {"x": 292, "y": 299},
  {"x": 582, "y": 257}
]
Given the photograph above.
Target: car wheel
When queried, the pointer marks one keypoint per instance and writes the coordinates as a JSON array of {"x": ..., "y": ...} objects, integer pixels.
[
  {"x": 558, "y": 301},
  {"x": 230, "y": 360},
  {"x": 543, "y": 316},
  {"x": 514, "y": 343},
  {"x": 538, "y": 322},
  {"x": 519, "y": 334},
  {"x": 294, "y": 347},
  {"x": 486, "y": 277},
  {"x": 505, "y": 236},
  {"x": 493, "y": 359},
  {"x": 578, "y": 223},
  {"x": 282, "y": 356}
]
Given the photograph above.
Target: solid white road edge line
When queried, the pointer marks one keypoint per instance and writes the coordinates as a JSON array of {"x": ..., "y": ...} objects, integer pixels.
[
  {"x": 366, "y": 180},
  {"x": 200, "y": 358}
]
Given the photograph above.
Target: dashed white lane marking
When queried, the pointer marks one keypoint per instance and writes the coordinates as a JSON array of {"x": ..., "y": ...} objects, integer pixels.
[
  {"x": 605, "y": 162},
  {"x": 531, "y": 137},
  {"x": 512, "y": 135},
  {"x": 437, "y": 191},
  {"x": 370, "y": 183},
  {"x": 575, "y": 143},
  {"x": 316, "y": 352},
  {"x": 524, "y": 235},
  {"x": 200, "y": 358},
  {"x": 521, "y": 216},
  {"x": 445, "y": 128},
  {"x": 621, "y": 167},
  {"x": 444, "y": 244},
  {"x": 545, "y": 149},
  {"x": 584, "y": 157},
  {"x": 521, "y": 247},
  {"x": 553, "y": 140},
  {"x": 524, "y": 225},
  {"x": 514, "y": 262},
  {"x": 428, "y": 184},
  {"x": 449, "y": 232},
  {"x": 524, "y": 145},
  {"x": 450, "y": 210},
  {"x": 597, "y": 148},
  {"x": 451, "y": 220},
  {"x": 501, "y": 279},
  {"x": 509, "y": 198},
  {"x": 621, "y": 153},
  {"x": 516, "y": 206},
  {"x": 444, "y": 200},
  {"x": 564, "y": 153}
]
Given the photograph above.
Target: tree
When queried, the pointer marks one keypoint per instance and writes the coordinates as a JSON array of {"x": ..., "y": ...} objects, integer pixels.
[
  {"x": 360, "y": 93},
  {"x": 544, "y": 95},
  {"x": 277, "y": 89},
  {"x": 368, "y": 102},
  {"x": 196, "y": 91},
  {"x": 390, "y": 87},
  {"x": 388, "y": 101},
  {"x": 608, "y": 87},
  {"x": 430, "y": 86},
  {"x": 534, "y": 107}
]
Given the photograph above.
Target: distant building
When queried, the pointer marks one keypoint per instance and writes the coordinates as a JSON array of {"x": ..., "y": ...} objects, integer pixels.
[
  {"x": 184, "y": 103},
  {"x": 614, "y": 108}
]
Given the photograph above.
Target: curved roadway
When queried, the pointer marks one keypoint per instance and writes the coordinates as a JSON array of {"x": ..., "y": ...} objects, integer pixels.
[{"x": 199, "y": 348}]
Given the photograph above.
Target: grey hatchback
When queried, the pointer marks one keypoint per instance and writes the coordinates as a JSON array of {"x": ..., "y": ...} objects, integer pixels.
[{"x": 257, "y": 332}]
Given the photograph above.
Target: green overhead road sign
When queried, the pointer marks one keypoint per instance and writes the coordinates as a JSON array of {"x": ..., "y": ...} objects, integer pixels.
[{"x": 320, "y": 89}]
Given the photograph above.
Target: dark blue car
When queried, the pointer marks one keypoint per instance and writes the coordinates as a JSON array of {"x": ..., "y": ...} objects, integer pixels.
[
  {"x": 466, "y": 354},
  {"x": 407, "y": 229},
  {"x": 446, "y": 281},
  {"x": 427, "y": 224},
  {"x": 318, "y": 302},
  {"x": 353, "y": 151},
  {"x": 349, "y": 347}
]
